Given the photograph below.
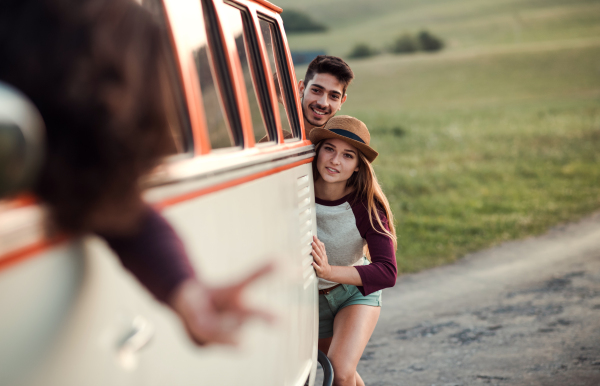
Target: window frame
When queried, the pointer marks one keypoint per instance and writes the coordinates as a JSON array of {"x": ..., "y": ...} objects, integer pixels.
[
  {"x": 229, "y": 78},
  {"x": 282, "y": 64},
  {"x": 220, "y": 66},
  {"x": 254, "y": 47},
  {"x": 176, "y": 82}
]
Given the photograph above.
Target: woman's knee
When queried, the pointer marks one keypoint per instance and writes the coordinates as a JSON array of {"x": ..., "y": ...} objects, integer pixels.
[
  {"x": 343, "y": 373},
  {"x": 344, "y": 379}
]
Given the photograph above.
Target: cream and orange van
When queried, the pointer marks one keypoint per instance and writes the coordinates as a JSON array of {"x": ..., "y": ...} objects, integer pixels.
[{"x": 72, "y": 316}]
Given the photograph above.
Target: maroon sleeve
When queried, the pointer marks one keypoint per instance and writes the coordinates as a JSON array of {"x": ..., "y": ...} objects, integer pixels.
[
  {"x": 155, "y": 255},
  {"x": 383, "y": 270}
]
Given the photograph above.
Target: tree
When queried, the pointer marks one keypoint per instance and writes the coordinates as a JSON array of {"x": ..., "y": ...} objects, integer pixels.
[
  {"x": 406, "y": 43},
  {"x": 299, "y": 22},
  {"x": 362, "y": 50},
  {"x": 429, "y": 42}
]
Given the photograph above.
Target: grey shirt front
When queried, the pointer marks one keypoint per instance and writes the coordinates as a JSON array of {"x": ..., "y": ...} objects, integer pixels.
[{"x": 336, "y": 228}]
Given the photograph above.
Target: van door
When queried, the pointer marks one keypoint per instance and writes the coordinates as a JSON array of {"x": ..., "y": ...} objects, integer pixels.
[{"x": 245, "y": 198}]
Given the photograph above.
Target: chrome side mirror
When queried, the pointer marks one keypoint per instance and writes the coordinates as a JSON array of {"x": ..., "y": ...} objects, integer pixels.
[{"x": 22, "y": 141}]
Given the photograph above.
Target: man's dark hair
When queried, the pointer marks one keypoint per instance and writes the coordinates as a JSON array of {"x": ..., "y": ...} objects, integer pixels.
[{"x": 325, "y": 64}]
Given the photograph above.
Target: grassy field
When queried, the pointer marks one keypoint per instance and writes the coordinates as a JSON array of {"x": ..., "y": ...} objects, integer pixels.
[
  {"x": 462, "y": 23},
  {"x": 493, "y": 139}
]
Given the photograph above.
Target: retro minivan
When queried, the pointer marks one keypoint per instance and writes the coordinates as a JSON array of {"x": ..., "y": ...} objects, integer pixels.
[{"x": 238, "y": 191}]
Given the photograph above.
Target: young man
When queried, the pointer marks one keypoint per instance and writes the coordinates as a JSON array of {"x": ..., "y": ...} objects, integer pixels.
[{"x": 323, "y": 90}]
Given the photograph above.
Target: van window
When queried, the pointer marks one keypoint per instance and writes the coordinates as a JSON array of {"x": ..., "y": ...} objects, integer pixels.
[
  {"x": 266, "y": 30},
  {"x": 218, "y": 130},
  {"x": 174, "y": 101},
  {"x": 238, "y": 21},
  {"x": 279, "y": 66},
  {"x": 220, "y": 80},
  {"x": 223, "y": 129}
]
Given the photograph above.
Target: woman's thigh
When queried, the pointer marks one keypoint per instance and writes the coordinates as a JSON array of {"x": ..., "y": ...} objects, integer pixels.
[{"x": 352, "y": 329}]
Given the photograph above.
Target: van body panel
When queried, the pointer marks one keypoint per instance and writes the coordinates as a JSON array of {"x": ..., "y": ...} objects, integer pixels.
[{"x": 93, "y": 303}]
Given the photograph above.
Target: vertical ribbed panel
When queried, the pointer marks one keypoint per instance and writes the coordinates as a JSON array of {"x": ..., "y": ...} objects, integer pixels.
[{"x": 305, "y": 218}]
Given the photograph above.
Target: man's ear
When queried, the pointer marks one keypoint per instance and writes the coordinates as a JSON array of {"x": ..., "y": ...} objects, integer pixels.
[
  {"x": 301, "y": 87},
  {"x": 343, "y": 100}
]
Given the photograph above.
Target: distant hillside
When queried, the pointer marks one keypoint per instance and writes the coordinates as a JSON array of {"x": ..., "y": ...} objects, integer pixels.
[{"x": 461, "y": 23}]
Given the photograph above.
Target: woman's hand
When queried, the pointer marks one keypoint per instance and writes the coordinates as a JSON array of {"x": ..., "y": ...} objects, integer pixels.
[
  {"x": 215, "y": 315},
  {"x": 320, "y": 262}
]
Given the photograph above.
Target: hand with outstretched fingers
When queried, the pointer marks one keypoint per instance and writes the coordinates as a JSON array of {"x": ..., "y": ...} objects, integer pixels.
[
  {"x": 320, "y": 263},
  {"x": 215, "y": 315}
]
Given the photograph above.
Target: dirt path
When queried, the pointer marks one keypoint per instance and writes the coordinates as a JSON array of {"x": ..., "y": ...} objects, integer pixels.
[{"x": 523, "y": 313}]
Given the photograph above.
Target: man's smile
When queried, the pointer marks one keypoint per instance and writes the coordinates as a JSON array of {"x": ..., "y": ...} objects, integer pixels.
[{"x": 319, "y": 111}]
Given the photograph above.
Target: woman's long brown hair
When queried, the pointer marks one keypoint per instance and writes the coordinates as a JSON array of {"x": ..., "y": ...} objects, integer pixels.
[{"x": 367, "y": 188}]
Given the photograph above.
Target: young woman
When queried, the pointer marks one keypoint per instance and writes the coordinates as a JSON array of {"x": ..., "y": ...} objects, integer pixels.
[{"x": 353, "y": 217}]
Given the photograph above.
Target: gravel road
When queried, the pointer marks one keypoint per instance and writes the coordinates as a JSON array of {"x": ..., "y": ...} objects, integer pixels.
[{"x": 523, "y": 313}]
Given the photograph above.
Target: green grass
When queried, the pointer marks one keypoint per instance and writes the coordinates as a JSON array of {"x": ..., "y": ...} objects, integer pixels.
[
  {"x": 461, "y": 23},
  {"x": 494, "y": 139},
  {"x": 463, "y": 181}
]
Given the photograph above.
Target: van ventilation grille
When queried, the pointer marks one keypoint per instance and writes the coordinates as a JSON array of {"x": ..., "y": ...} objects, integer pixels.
[{"x": 305, "y": 218}]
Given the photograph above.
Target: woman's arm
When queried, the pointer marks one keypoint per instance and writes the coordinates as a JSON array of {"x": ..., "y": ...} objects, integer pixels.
[
  {"x": 337, "y": 274},
  {"x": 382, "y": 271}
]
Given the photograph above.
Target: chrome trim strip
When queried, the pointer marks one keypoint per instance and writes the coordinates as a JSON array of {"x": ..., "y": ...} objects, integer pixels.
[
  {"x": 214, "y": 165},
  {"x": 178, "y": 184}
]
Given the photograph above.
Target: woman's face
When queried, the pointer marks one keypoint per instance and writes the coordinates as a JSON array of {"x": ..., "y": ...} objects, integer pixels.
[{"x": 337, "y": 160}]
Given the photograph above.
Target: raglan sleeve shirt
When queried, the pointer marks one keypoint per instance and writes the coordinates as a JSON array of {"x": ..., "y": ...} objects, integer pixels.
[{"x": 383, "y": 270}]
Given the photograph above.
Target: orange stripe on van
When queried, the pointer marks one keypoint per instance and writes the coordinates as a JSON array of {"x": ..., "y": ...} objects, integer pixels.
[
  {"x": 29, "y": 251},
  {"x": 20, "y": 201},
  {"x": 228, "y": 184},
  {"x": 271, "y": 6}
]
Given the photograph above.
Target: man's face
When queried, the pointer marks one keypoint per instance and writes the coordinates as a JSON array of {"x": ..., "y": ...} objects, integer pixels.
[{"x": 322, "y": 97}]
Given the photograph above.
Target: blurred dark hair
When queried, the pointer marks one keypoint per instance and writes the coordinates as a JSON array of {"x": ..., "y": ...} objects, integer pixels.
[
  {"x": 325, "y": 64},
  {"x": 93, "y": 68}
]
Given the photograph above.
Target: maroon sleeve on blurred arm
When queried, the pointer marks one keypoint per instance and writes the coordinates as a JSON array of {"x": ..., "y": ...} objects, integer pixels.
[{"x": 155, "y": 255}]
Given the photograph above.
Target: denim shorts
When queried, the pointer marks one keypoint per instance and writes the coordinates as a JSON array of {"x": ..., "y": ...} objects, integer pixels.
[{"x": 343, "y": 296}]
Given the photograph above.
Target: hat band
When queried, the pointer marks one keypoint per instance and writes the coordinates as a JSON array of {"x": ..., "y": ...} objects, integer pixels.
[{"x": 348, "y": 134}]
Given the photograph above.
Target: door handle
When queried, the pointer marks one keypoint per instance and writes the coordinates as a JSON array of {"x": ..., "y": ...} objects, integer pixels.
[{"x": 138, "y": 336}]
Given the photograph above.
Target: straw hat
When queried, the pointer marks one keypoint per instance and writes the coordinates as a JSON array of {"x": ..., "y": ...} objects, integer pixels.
[{"x": 348, "y": 129}]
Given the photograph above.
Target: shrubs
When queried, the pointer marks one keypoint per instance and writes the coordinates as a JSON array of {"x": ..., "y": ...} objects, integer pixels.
[
  {"x": 424, "y": 41},
  {"x": 429, "y": 42},
  {"x": 404, "y": 44},
  {"x": 298, "y": 22},
  {"x": 362, "y": 50}
]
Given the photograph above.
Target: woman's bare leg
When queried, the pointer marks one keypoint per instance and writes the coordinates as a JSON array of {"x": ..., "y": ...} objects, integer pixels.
[
  {"x": 359, "y": 381},
  {"x": 324, "y": 347},
  {"x": 352, "y": 329}
]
